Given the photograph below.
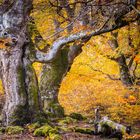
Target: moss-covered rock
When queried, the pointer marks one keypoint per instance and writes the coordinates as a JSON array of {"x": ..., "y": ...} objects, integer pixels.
[
  {"x": 84, "y": 130},
  {"x": 11, "y": 130},
  {"x": 77, "y": 116},
  {"x": 53, "y": 131},
  {"x": 42, "y": 131},
  {"x": 33, "y": 126},
  {"x": 45, "y": 130},
  {"x": 67, "y": 120}
]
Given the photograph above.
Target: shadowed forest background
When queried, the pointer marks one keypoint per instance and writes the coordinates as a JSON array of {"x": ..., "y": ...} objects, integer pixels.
[{"x": 63, "y": 76}]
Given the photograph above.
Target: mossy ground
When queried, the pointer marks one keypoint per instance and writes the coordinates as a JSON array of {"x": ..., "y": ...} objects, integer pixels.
[
  {"x": 68, "y": 129},
  {"x": 12, "y": 130},
  {"x": 32, "y": 127}
]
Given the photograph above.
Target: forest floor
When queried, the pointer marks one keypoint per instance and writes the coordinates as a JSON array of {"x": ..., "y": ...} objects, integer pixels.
[
  {"x": 67, "y": 136},
  {"x": 71, "y": 135}
]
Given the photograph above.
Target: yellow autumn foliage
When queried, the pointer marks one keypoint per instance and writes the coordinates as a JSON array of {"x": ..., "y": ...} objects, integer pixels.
[
  {"x": 94, "y": 81},
  {"x": 93, "y": 78}
]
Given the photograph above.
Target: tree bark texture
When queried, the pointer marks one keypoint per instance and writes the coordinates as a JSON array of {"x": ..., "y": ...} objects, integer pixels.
[
  {"x": 18, "y": 77},
  {"x": 51, "y": 77},
  {"x": 12, "y": 77},
  {"x": 31, "y": 84}
]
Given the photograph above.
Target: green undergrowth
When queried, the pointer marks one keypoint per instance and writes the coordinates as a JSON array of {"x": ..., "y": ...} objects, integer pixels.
[
  {"x": 11, "y": 130},
  {"x": 32, "y": 127},
  {"x": 66, "y": 120},
  {"x": 54, "y": 130},
  {"x": 51, "y": 130},
  {"x": 48, "y": 131},
  {"x": 53, "y": 136}
]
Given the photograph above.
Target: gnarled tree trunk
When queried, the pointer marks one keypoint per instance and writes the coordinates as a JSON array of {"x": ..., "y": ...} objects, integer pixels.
[
  {"x": 51, "y": 77},
  {"x": 12, "y": 77},
  {"x": 17, "y": 74}
]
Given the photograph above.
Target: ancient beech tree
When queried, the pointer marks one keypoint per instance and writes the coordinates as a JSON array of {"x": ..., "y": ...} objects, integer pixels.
[
  {"x": 16, "y": 48},
  {"x": 17, "y": 74}
]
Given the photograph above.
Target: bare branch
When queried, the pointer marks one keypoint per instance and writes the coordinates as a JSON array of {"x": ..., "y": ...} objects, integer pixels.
[
  {"x": 97, "y": 70},
  {"x": 135, "y": 9}
]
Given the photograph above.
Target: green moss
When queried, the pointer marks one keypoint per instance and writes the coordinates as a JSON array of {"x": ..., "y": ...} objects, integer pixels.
[
  {"x": 50, "y": 82},
  {"x": 33, "y": 88},
  {"x": 84, "y": 130},
  {"x": 45, "y": 130},
  {"x": 53, "y": 131},
  {"x": 54, "y": 136},
  {"x": 23, "y": 113},
  {"x": 67, "y": 120},
  {"x": 33, "y": 126},
  {"x": 42, "y": 131},
  {"x": 58, "y": 68},
  {"x": 77, "y": 116},
  {"x": 123, "y": 130},
  {"x": 10, "y": 130},
  {"x": 21, "y": 81}
]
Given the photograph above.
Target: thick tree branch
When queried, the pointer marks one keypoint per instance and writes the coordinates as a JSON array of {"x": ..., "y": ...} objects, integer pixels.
[{"x": 58, "y": 44}]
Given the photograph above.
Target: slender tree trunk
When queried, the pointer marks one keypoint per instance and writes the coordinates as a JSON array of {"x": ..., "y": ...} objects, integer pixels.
[
  {"x": 121, "y": 60},
  {"x": 125, "y": 76}
]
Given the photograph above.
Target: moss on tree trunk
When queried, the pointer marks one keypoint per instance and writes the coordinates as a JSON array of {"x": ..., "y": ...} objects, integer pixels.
[{"x": 51, "y": 77}]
